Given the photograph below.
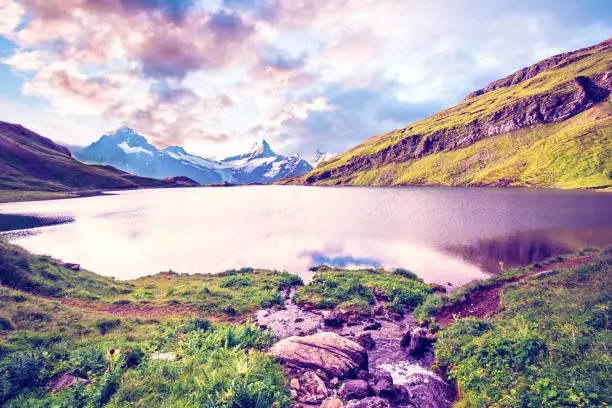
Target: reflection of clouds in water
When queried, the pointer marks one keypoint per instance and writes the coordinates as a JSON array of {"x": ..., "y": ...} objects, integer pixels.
[{"x": 345, "y": 261}]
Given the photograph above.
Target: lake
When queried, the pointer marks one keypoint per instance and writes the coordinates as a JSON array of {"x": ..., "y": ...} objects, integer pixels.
[{"x": 444, "y": 235}]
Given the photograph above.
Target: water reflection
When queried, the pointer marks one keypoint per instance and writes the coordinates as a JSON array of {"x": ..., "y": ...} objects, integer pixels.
[
  {"x": 527, "y": 247},
  {"x": 209, "y": 230}
]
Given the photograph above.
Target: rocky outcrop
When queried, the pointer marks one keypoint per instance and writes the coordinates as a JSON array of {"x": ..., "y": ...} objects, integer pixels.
[
  {"x": 534, "y": 70},
  {"x": 328, "y": 352}
]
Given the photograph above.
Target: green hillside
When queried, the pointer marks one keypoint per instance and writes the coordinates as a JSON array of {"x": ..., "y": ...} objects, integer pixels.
[{"x": 547, "y": 125}]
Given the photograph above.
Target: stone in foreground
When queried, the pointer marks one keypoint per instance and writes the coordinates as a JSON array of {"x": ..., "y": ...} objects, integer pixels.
[{"x": 329, "y": 352}]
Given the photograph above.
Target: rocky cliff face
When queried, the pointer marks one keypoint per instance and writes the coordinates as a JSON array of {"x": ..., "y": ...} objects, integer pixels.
[{"x": 551, "y": 91}]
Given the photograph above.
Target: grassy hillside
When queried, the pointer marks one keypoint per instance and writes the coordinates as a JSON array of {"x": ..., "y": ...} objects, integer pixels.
[
  {"x": 547, "y": 126},
  {"x": 575, "y": 153},
  {"x": 30, "y": 162},
  {"x": 548, "y": 342}
]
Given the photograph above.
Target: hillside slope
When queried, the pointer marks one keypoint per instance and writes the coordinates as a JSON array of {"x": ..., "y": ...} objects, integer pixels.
[
  {"x": 547, "y": 125},
  {"x": 29, "y": 161}
]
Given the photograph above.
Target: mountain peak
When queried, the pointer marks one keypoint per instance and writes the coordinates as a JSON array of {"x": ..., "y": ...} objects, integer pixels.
[
  {"x": 175, "y": 150},
  {"x": 262, "y": 149}
]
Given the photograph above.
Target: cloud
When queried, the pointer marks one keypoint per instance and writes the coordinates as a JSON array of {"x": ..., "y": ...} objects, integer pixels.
[
  {"x": 305, "y": 74},
  {"x": 12, "y": 14}
]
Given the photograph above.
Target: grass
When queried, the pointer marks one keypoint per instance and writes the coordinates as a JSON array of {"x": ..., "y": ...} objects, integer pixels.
[
  {"x": 569, "y": 154},
  {"x": 10, "y": 196},
  {"x": 337, "y": 288},
  {"x": 230, "y": 293},
  {"x": 216, "y": 364},
  {"x": 549, "y": 346}
]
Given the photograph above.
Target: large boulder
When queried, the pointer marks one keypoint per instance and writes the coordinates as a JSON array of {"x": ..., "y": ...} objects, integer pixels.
[{"x": 329, "y": 352}]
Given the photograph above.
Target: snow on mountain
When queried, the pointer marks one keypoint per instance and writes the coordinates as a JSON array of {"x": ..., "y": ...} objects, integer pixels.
[
  {"x": 262, "y": 165},
  {"x": 131, "y": 152},
  {"x": 320, "y": 157}
]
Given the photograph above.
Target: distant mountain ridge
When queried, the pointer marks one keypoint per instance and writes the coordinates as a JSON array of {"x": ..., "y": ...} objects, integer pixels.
[
  {"x": 131, "y": 152},
  {"x": 29, "y": 161},
  {"x": 547, "y": 125}
]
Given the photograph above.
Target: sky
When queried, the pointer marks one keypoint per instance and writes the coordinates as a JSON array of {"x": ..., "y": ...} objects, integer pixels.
[{"x": 215, "y": 76}]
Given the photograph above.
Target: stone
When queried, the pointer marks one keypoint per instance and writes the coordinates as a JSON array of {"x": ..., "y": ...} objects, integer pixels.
[
  {"x": 170, "y": 356},
  {"x": 366, "y": 341},
  {"x": 72, "y": 266},
  {"x": 383, "y": 385},
  {"x": 333, "y": 354},
  {"x": 418, "y": 341},
  {"x": 312, "y": 388},
  {"x": 294, "y": 383},
  {"x": 332, "y": 403},
  {"x": 378, "y": 310},
  {"x": 67, "y": 380},
  {"x": 437, "y": 288},
  {"x": 374, "y": 326},
  {"x": 354, "y": 389},
  {"x": 334, "y": 382},
  {"x": 428, "y": 391},
  {"x": 333, "y": 318},
  {"x": 405, "y": 341},
  {"x": 293, "y": 394},
  {"x": 372, "y": 402}
]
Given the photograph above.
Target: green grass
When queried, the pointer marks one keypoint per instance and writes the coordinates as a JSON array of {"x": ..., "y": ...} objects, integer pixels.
[
  {"x": 337, "y": 288},
  {"x": 549, "y": 347},
  {"x": 10, "y": 196},
  {"x": 570, "y": 154},
  {"x": 230, "y": 293},
  {"x": 43, "y": 275},
  {"x": 217, "y": 364},
  {"x": 576, "y": 153}
]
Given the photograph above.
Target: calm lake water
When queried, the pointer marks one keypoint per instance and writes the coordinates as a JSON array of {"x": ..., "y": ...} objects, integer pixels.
[{"x": 443, "y": 235}]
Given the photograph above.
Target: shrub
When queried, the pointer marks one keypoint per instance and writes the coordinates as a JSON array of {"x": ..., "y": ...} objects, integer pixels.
[
  {"x": 104, "y": 326},
  {"x": 5, "y": 324}
]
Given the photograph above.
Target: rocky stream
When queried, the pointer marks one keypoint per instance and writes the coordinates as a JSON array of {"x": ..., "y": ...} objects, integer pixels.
[{"x": 351, "y": 359}]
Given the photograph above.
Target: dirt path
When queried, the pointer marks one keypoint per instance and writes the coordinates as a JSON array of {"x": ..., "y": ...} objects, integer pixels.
[
  {"x": 130, "y": 310},
  {"x": 485, "y": 302}
]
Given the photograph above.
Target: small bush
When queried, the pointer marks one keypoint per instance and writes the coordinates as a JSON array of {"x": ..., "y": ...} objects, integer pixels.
[
  {"x": 104, "y": 326},
  {"x": 5, "y": 324}
]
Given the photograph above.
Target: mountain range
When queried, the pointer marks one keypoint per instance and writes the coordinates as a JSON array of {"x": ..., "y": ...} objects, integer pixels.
[
  {"x": 547, "y": 125},
  {"x": 29, "y": 161},
  {"x": 131, "y": 152}
]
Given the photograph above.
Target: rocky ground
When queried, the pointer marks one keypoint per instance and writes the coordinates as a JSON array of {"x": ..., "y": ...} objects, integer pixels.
[{"x": 348, "y": 358}]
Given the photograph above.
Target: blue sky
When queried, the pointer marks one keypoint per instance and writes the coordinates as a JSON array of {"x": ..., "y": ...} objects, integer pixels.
[{"x": 216, "y": 75}]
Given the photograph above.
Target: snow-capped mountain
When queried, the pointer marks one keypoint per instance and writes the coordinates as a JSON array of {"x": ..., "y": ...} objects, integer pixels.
[
  {"x": 261, "y": 163},
  {"x": 320, "y": 157},
  {"x": 131, "y": 152}
]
